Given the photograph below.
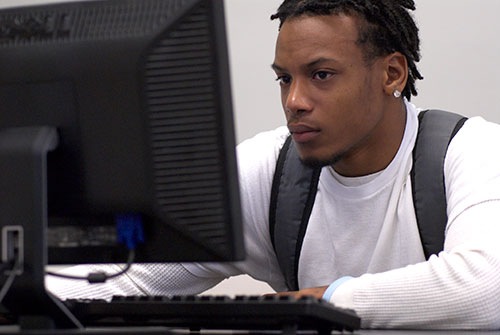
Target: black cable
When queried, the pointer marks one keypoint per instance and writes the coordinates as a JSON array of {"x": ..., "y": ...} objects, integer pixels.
[
  {"x": 98, "y": 277},
  {"x": 10, "y": 279}
]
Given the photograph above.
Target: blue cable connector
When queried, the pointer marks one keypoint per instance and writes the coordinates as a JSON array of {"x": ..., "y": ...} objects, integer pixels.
[{"x": 129, "y": 229}]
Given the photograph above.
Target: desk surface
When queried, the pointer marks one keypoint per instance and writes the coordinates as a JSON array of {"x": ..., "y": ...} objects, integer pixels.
[{"x": 164, "y": 331}]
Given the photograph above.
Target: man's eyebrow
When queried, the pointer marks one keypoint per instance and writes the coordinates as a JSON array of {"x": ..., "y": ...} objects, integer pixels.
[
  {"x": 315, "y": 62},
  {"x": 319, "y": 61},
  {"x": 276, "y": 67}
]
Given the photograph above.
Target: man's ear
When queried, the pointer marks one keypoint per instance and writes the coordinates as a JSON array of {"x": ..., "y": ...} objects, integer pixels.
[{"x": 396, "y": 73}]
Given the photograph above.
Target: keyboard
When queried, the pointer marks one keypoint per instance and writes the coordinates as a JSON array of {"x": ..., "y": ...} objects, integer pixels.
[{"x": 284, "y": 313}]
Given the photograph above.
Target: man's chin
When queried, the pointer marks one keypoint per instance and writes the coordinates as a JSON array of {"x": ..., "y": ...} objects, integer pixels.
[{"x": 315, "y": 162}]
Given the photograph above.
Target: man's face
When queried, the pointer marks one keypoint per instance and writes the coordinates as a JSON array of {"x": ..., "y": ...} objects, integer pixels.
[{"x": 333, "y": 99}]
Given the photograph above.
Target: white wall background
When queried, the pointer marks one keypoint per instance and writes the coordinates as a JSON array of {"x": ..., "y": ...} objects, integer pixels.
[{"x": 460, "y": 55}]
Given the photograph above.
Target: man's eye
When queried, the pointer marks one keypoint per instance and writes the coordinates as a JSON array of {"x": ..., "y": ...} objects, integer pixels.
[
  {"x": 283, "y": 80},
  {"x": 322, "y": 75}
]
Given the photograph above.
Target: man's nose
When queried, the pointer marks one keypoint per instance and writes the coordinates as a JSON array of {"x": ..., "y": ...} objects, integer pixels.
[{"x": 297, "y": 101}]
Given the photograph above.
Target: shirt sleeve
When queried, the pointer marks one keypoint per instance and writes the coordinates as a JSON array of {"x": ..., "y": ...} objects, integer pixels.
[{"x": 141, "y": 279}]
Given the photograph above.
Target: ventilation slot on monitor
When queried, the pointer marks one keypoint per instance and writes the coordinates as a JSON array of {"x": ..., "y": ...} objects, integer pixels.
[{"x": 183, "y": 117}]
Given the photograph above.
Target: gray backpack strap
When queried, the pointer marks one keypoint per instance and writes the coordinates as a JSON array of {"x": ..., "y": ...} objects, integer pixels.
[
  {"x": 435, "y": 131},
  {"x": 292, "y": 198}
]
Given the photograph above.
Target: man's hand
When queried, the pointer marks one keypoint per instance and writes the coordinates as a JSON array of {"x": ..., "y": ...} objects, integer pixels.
[{"x": 313, "y": 291}]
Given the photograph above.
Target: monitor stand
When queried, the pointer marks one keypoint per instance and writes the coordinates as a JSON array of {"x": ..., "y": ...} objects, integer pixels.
[{"x": 23, "y": 223}]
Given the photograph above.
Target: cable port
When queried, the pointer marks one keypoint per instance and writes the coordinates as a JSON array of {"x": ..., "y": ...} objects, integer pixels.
[{"x": 13, "y": 247}]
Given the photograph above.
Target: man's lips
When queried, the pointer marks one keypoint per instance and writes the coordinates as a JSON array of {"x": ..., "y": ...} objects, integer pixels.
[{"x": 302, "y": 133}]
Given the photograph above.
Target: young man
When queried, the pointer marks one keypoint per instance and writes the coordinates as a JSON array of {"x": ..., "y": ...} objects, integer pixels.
[{"x": 347, "y": 71}]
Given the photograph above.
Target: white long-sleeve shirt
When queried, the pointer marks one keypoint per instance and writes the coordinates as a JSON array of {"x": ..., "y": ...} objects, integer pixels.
[{"x": 366, "y": 228}]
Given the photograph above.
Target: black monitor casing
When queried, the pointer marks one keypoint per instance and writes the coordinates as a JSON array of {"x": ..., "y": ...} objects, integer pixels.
[{"x": 128, "y": 103}]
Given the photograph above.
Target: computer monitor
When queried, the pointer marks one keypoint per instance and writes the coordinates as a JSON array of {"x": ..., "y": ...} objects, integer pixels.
[{"x": 113, "y": 109}]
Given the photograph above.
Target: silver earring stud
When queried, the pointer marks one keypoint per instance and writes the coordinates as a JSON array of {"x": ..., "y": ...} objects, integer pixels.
[{"x": 397, "y": 94}]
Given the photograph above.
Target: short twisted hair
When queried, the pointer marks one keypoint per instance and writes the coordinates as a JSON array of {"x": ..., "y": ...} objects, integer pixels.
[{"x": 389, "y": 27}]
